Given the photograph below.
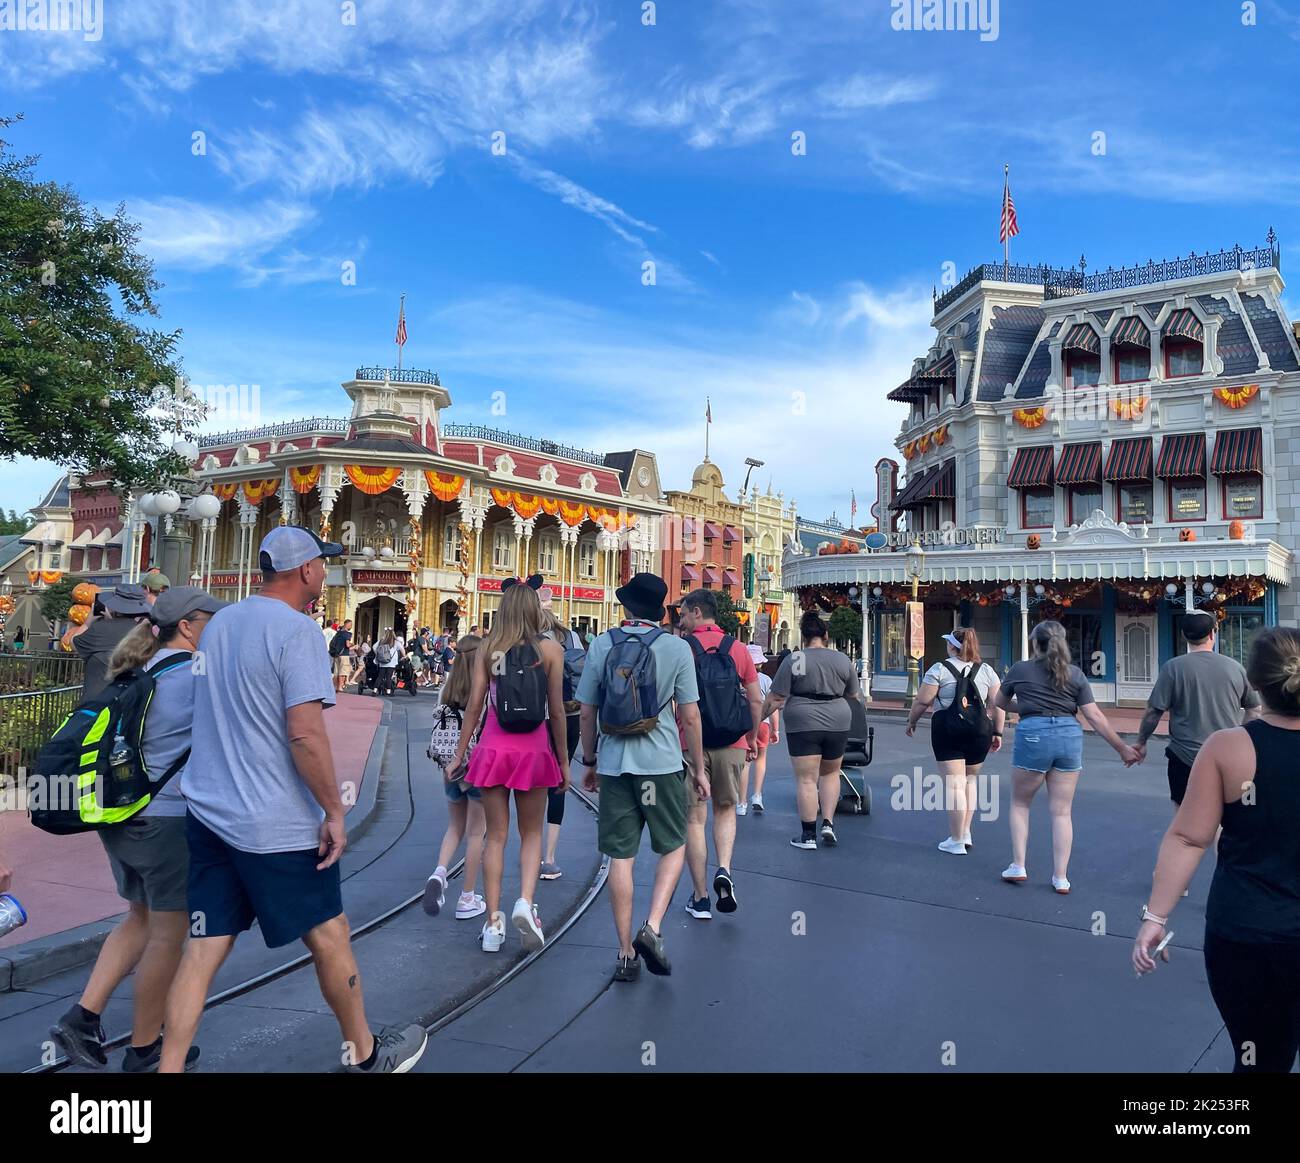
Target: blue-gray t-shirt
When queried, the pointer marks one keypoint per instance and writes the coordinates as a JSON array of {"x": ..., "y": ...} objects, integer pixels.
[
  {"x": 660, "y": 751},
  {"x": 259, "y": 657},
  {"x": 167, "y": 730}
]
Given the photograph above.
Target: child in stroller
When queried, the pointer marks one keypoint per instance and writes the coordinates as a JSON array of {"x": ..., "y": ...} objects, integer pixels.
[{"x": 406, "y": 675}]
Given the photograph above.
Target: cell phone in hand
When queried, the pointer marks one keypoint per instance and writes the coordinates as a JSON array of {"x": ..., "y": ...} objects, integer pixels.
[{"x": 1169, "y": 936}]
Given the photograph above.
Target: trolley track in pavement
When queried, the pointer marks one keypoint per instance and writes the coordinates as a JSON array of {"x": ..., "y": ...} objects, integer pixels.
[{"x": 267, "y": 977}]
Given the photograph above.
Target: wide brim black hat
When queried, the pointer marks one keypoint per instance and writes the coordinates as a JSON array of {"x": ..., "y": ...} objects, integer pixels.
[{"x": 644, "y": 595}]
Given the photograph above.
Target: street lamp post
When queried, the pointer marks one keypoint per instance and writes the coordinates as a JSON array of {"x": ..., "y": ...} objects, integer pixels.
[
  {"x": 871, "y": 599},
  {"x": 1027, "y": 602},
  {"x": 915, "y": 564}
]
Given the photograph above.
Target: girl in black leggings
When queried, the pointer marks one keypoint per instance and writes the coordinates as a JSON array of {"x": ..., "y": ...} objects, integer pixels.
[{"x": 1244, "y": 778}]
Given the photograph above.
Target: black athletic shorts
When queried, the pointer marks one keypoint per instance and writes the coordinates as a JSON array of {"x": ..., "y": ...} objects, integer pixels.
[
  {"x": 949, "y": 746},
  {"x": 827, "y": 744},
  {"x": 1178, "y": 776}
]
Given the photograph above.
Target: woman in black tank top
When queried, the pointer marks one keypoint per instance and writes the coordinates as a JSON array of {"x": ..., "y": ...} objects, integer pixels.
[{"x": 1246, "y": 780}]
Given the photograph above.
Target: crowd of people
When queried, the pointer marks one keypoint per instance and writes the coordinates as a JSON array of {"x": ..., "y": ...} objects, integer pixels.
[{"x": 663, "y": 723}]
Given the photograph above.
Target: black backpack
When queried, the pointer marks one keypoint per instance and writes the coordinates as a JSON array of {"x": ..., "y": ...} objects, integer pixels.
[
  {"x": 965, "y": 716},
  {"x": 575, "y": 660},
  {"x": 724, "y": 710},
  {"x": 521, "y": 689},
  {"x": 91, "y": 774},
  {"x": 339, "y": 643}
]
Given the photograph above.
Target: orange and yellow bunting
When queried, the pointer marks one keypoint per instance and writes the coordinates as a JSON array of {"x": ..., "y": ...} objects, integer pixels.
[
  {"x": 256, "y": 491},
  {"x": 596, "y": 512},
  {"x": 550, "y": 505},
  {"x": 526, "y": 504},
  {"x": 1129, "y": 409},
  {"x": 572, "y": 514},
  {"x": 225, "y": 492},
  {"x": 304, "y": 479},
  {"x": 445, "y": 488},
  {"x": 371, "y": 481},
  {"x": 502, "y": 497},
  {"x": 1030, "y": 417},
  {"x": 940, "y": 436},
  {"x": 909, "y": 449},
  {"x": 50, "y": 576},
  {"x": 1237, "y": 397},
  {"x": 923, "y": 444}
]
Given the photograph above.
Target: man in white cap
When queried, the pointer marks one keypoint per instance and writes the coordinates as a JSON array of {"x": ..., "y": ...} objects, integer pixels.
[{"x": 266, "y": 820}]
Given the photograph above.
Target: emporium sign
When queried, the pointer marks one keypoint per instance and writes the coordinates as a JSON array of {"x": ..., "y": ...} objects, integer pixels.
[
  {"x": 492, "y": 585},
  {"x": 393, "y": 578},
  {"x": 949, "y": 535}
]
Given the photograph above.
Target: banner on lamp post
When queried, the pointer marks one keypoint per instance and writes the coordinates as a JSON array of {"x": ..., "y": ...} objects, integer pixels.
[{"x": 916, "y": 629}]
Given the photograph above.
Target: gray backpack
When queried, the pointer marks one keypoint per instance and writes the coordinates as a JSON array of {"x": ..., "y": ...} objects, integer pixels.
[{"x": 630, "y": 700}]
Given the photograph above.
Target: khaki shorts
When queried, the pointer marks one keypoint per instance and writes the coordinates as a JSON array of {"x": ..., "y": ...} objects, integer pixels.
[
  {"x": 724, "y": 767},
  {"x": 342, "y": 665}
]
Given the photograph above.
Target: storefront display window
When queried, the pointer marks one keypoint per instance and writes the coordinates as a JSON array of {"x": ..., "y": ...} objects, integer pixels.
[
  {"x": 1083, "y": 632},
  {"x": 1237, "y": 631},
  {"x": 892, "y": 645},
  {"x": 1135, "y": 504},
  {"x": 1243, "y": 497},
  {"x": 1187, "y": 500}
]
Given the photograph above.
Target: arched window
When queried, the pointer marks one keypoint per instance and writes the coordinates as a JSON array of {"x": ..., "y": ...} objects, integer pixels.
[
  {"x": 587, "y": 557},
  {"x": 1137, "y": 652},
  {"x": 451, "y": 541},
  {"x": 503, "y": 546},
  {"x": 548, "y": 553},
  {"x": 1130, "y": 349},
  {"x": 1183, "y": 344}
]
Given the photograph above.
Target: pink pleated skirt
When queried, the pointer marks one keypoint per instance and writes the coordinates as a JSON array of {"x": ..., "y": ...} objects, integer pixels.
[{"x": 520, "y": 761}]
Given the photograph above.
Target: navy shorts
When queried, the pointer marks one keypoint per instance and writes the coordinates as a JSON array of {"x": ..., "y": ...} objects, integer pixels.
[{"x": 282, "y": 891}]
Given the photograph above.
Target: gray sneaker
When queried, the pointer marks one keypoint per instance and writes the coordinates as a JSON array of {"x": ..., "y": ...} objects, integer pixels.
[
  {"x": 81, "y": 1041},
  {"x": 650, "y": 945},
  {"x": 396, "y": 1051},
  {"x": 550, "y": 871}
]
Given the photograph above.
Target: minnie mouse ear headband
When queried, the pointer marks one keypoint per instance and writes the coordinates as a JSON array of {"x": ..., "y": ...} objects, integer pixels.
[{"x": 533, "y": 583}]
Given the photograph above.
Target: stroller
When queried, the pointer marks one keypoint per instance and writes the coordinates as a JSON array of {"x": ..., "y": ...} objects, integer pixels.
[
  {"x": 406, "y": 676},
  {"x": 855, "y": 796}
]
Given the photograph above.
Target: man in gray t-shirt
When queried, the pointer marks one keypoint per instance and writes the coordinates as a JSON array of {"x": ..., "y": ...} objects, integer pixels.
[
  {"x": 265, "y": 825},
  {"x": 1203, "y": 691}
]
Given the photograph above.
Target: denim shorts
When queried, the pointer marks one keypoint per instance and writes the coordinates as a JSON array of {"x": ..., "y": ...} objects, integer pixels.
[
  {"x": 457, "y": 790},
  {"x": 1044, "y": 742}
]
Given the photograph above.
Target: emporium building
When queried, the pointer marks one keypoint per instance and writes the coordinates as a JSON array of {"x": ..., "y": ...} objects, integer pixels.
[{"x": 1104, "y": 449}]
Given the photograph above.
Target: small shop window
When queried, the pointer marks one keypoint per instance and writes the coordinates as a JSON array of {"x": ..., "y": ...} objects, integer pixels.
[
  {"x": 1187, "y": 500},
  {"x": 1236, "y": 632},
  {"x": 1038, "y": 508},
  {"x": 1136, "y": 504},
  {"x": 1083, "y": 500},
  {"x": 1183, "y": 358},
  {"x": 1082, "y": 369},
  {"x": 1132, "y": 364},
  {"x": 1083, "y": 633},
  {"x": 1243, "y": 497},
  {"x": 892, "y": 645}
]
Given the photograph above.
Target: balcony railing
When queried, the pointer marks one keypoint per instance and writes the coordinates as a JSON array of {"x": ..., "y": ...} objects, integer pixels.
[
  {"x": 527, "y": 443},
  {"x": 405, "y": 375},
  {"x": 1060, "y": 282},
  {"x": 316, "y": 426}
]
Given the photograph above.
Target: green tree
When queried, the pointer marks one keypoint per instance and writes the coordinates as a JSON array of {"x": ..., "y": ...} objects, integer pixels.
[
  {"x": 727, "y": 614},
  {"x": 14, "y": 523},
  {"x": 56, "y": 600},
  {"x": 77, "y": 375},
  {"x": 846, "y": 627}
]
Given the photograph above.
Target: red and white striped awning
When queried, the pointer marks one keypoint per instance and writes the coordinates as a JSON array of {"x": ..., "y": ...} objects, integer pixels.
[
  {"x": 1131, "y": 332},
  {"x": 1081, "y": 337},
  {"x": 1184, "y": 324}
]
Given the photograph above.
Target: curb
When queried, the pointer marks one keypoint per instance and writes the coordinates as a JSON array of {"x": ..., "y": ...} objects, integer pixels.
[{"x": 26, "y": 964}]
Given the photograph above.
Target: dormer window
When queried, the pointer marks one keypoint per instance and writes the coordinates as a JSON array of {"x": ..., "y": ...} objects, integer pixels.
[
  {"x": 1183, "y": 344},
  {"x": 1130, "y": 349},
  {"x": 1081, "y": 348}
]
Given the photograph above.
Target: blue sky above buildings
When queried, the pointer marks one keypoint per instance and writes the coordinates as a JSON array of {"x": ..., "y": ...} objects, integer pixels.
[{"x": 777, "y": 274}]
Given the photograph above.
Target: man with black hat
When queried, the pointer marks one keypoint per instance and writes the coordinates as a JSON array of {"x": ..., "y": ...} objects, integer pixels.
[
  {"x": 116, "y": 613},
  {"x": 1203, "y": 691},
  {"x": 266, "y": 818},
  {"x": 640, "y": 776}
]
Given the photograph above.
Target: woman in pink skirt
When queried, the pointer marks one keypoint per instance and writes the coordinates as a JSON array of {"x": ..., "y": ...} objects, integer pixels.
[{"x": 527, "y": 761}]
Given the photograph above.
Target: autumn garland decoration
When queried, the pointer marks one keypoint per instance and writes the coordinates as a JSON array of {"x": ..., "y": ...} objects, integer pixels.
[
  {"x": 1030, "y": 417},
  {"x": 304, "y": 479},
  {"x": 1237, "y": 397},
  {"x": 371, "y": 481},
  {"x": 1129, "y": 409}
]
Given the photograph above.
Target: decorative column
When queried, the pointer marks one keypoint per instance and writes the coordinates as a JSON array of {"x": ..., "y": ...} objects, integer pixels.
[
  {"x": 331, "y": 478},
  {"x": 568, "y": 553},
  {"x": 247, "y": 534},
  {"x": 527, "y": 527},
  {"x": 417, "y": 494},
  {"x": 473, "y": 515},
  {"x": 288, "y": 501},
  {"x": 518, "y": 522}
]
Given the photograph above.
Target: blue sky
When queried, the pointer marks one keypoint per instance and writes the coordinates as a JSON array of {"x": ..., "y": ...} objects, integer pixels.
[{"x": 370, "y": 143}]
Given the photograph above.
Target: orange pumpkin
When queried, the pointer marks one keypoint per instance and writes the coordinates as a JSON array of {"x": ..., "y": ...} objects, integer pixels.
[
  {"x": 78, "y": 614},
  {"x": 1033, "y": 541},
  {"x": 1186, "y": 534},
  {"x": 1237, "y": 530},
  {"x": 83, "y": 593}
]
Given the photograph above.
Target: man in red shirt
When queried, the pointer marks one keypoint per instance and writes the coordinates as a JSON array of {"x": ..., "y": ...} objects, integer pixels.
[{"x": 723, "y": 765}]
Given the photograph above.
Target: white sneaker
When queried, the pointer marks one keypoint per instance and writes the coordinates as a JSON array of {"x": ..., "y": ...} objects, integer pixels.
[
  {"x": 740, "y": 808},
  {"x": 493, "y": 937},
  {"x": 756, "y": 802},
  {"x": 529, "y": 924},
  {"x": 968, "y": 841},
  {"x": 469, "y": 906},
  {"x": 1061, "y": 885},
  {"x": 435, "y": 892},
  {"x": 1015, "y": 874},
  {"x": 956, "y": 847}
]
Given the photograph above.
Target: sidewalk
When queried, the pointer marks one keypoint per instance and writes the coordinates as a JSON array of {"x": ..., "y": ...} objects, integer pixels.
[
  {"x": 65, "y": 882},
  {"x": 1125, "y": 720}
]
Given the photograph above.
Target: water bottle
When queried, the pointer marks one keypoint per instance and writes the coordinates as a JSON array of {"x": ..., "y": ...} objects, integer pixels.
[
  {"x": 121, "y": 768},
  {"x": 12, "y": 914}
]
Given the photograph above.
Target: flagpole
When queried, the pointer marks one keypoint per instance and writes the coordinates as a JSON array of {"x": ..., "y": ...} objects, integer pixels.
[
  {"x": 1006, "y": 234},
  {"x": 708, "y": 420},
  {"x": 401, "y": 314}
]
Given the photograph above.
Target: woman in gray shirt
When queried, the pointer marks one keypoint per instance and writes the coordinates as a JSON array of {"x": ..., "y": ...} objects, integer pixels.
[
  {"x": 811, "y": 690},
  {"x": 1049, "y": 691}
]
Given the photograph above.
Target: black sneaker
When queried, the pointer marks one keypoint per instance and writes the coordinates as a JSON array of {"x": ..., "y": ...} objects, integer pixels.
[
  {"x": 726, "y": 891},
  {"x": 828, "y": 834},
  {"x": 397, "y": 1051},
  {"x": 146, "y": 1061},
  {"x": 808, "y": 842},
  {"x": 651, "y": 947},
  {"x": 628, "y": 969},
  {"x": 698, "y": 907},
  {"x": 80, "y": 1040}
]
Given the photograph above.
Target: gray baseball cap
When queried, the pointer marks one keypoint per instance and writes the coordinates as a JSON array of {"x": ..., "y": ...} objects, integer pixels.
[
  {"x": 289, "y": 546},
  {"x": 181, "y": 602}
]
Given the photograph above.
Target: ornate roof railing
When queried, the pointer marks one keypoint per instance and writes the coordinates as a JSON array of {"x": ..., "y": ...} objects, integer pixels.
[
  {"x": 394, "y": 375},
  {"x": 1060, "y": 282},
  {"x": 316, "y": 426},
  {"x": 527, "y": 443}
]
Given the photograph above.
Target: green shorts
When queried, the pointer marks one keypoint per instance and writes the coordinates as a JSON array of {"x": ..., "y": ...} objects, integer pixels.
[{"x": 627, "y": 802}]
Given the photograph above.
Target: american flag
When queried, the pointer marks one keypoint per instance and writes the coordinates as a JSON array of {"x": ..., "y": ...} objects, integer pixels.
[
  {"x": 708, "y": 411},
  {"x": 401, "y": 324},
  {"x": 1010, "y": 228},
  {"x": 853, "y": 505}
]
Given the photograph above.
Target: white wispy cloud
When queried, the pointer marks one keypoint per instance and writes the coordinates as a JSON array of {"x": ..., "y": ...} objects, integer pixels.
[{"x": 201, "y": 236}]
